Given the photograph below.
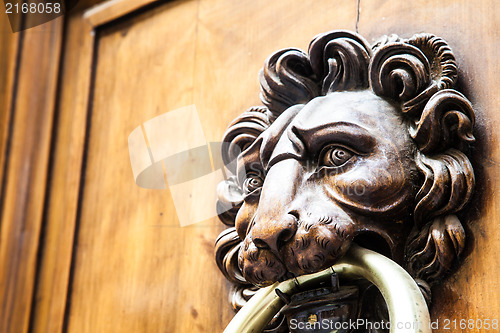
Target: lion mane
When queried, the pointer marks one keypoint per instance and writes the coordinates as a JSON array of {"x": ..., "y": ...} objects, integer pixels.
[{"x": 417, "y": 74}]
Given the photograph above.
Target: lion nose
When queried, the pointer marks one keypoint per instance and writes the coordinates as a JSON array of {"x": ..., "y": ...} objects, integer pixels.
[{"x": 274, "y": 234}]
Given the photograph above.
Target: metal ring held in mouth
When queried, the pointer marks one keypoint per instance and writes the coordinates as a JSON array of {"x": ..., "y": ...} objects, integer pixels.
[{"x": 408, "y": 311}]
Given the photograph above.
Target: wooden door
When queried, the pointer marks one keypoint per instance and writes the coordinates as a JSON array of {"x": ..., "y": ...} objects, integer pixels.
[
  {"x": 113, "y": 256},
  {"x": 133, "y": 268}
]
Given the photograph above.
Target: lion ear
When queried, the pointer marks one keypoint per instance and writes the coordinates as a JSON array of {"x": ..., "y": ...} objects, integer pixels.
[{"x": 411, "y": 71}]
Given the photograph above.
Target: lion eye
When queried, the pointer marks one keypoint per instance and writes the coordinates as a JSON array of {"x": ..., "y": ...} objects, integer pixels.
[
  {"x": 252, "y": 183},
  {"x": 335, "y": 156}
]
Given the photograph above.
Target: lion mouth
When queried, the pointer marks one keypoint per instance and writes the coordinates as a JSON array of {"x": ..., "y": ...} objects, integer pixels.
[
  {"x": 313, "y": 254},
  {"x": 307, "y": 252}
]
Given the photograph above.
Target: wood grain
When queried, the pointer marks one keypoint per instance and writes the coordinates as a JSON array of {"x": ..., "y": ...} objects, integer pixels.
[
  {"x": 471, "y": 30},
  {"x": 235, "y": 38},
  {"x": 26, "y": 172},
  {"x": 8, "y": 59}
]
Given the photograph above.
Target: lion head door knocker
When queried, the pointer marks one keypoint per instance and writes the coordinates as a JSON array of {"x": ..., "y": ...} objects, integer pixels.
[{"x": 358, "y": 154}]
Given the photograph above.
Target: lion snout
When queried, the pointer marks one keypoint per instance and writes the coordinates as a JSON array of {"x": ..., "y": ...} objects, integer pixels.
[
  {"x": 274, "y": 235},
  {"x": 297, "y": 244}
]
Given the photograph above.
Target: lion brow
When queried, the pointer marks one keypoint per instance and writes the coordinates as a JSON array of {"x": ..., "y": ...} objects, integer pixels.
[{"x": 350, "y": 134}]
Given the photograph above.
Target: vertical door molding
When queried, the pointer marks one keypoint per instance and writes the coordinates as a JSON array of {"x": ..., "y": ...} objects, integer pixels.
[{"x": 26, "y": 138}]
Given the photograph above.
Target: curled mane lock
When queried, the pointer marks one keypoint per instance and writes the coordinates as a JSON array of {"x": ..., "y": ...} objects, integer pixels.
[
  {"x": 287, "y": 79},
  {"x": 340, "y": 60},
  {"x": 447, "y": 120}
]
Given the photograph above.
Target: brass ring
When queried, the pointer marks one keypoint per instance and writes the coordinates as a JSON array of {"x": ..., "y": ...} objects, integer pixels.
[{"x": 406, "y": 304}]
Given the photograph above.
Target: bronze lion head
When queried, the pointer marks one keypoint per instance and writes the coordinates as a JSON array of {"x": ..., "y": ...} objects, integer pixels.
[{"x": 353, "y": 143}]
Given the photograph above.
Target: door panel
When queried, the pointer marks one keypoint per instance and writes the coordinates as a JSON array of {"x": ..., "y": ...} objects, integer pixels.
[
  {"x": 130, "y": 255},
  {"x": 134, "y": 269}
]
